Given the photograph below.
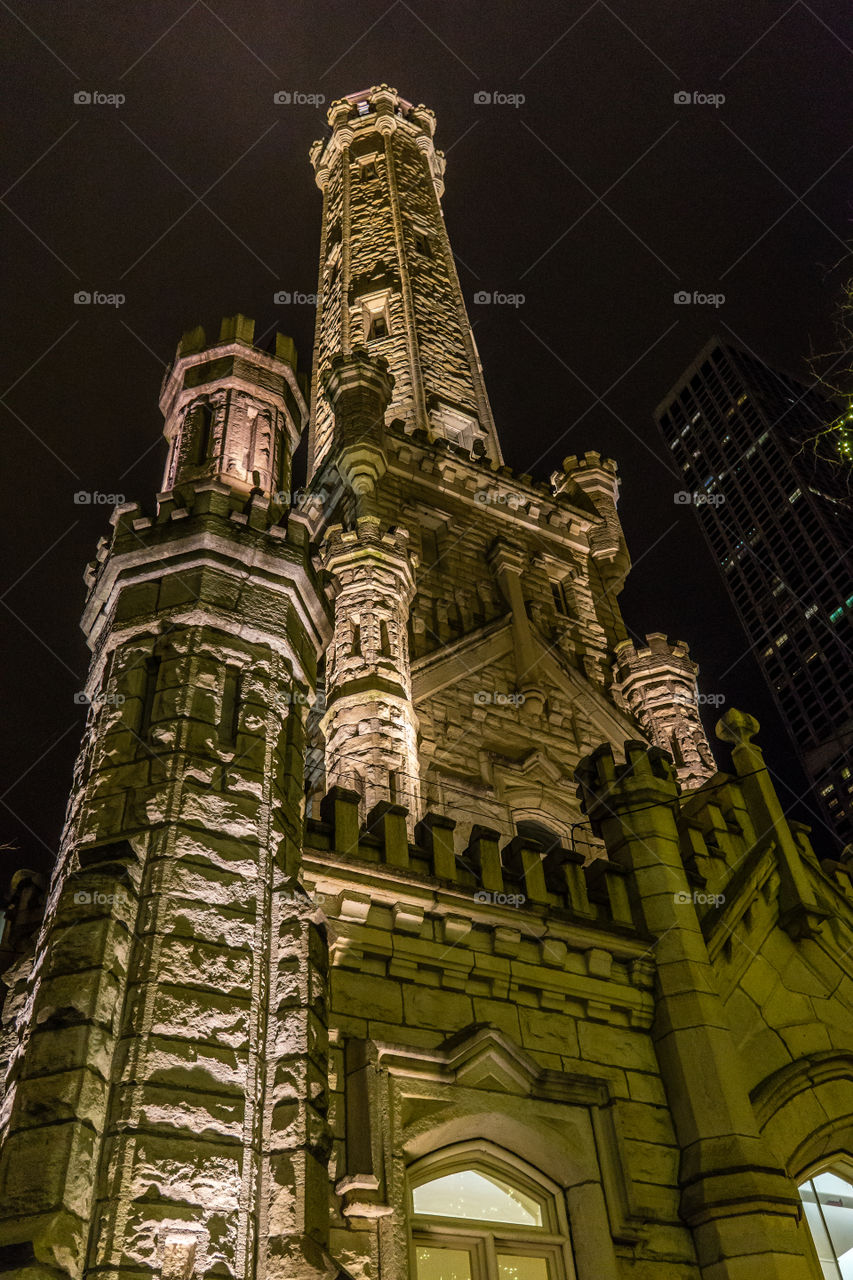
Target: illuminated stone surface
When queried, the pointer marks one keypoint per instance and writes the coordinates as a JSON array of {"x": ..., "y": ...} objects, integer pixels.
[{"x": 505, "y": 922}]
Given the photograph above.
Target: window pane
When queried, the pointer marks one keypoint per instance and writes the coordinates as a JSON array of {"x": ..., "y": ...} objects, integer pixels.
[
  {"x": 821, "y": 1239},
  {"x": 442, "y": 1264},
  {"x": 828, "y": 1203},
  {"x": 836, "y": 1200},
  {"x": 485, "y": 1197},
  {"x": 516, "y": 1267}
]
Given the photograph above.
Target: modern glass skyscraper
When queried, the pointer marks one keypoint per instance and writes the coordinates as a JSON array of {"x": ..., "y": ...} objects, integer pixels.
[{"x": 773, "y": 498}]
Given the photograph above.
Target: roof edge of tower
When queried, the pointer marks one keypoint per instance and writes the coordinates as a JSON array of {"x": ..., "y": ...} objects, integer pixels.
[{"x": 363, "y": 95}]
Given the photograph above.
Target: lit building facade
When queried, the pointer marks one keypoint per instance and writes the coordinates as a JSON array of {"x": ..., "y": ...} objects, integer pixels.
[
  {"x": 403, "y": 925},
  {"x": 774, "y": 498}
]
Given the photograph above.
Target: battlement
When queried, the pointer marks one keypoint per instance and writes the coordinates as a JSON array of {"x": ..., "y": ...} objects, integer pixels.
[
  {"x": 520, "y": 875},
  {"x": 188, "y": 523},
  {"x": 592, "y": 474},
  {"x": 231, "y": 411},
  {"x": 481, "y": 480},
  {"x": 367, "y": 535},
  {"x": 198, "y": 362},
  {"x": 658, "y": 685},
  {"x": 734, "y": 842},
  {"x": 657, "y": 659},
  {"x": 237, "y": 330},
  {"x": 592, "y": 460},
  {"x": 381, "y": 109}
]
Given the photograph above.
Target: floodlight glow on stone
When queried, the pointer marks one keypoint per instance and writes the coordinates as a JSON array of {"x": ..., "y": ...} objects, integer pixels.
[{"x": 483, "y": 1197}]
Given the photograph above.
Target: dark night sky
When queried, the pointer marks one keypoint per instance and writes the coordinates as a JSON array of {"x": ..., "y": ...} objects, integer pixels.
[{"x": 597, "y": 199}]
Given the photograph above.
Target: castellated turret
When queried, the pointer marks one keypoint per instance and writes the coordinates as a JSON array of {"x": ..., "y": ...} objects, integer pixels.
[
  {"x": 232, "y": 412},
  {"x": 598, "y": 478},
  {"x": 150, "y": 1082},
  {"x": 370, "y": 726},
  {"x": 658, "y": 685},
  {"x": 359, "y": 388}
]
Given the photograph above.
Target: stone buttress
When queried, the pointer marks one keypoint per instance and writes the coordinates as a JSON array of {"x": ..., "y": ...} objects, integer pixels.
[{"x": 742, "y": 1208}]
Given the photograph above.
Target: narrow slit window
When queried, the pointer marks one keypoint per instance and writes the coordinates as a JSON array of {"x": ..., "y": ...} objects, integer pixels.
[
  {"x": 152, "y": 673},
  {"x": 558, "y": 592},
  {"x": 203, "y": 432},
  {"x": 230, "y": 707}
]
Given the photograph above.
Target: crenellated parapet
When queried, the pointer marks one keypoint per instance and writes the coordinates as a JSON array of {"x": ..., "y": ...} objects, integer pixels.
[
  {"x": 486, "y": 873},
  {"x": 187, "y": 562},
  {"x": 379, "y": 109},
  {"x": 658, "y": 686}
]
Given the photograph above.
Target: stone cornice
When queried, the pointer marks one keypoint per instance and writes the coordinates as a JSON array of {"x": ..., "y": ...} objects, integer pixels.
[{"x": 278, "y": 573}]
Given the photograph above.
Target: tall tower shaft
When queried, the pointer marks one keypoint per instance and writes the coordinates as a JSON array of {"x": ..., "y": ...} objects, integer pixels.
[
  {"x": 506, "y": 615},
  {"x": 387, "y": 275}
]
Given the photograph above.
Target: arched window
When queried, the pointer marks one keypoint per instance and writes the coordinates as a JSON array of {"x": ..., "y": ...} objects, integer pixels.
[
  {"x": 478, "y": 1213},
  {"x": 828, "y": 1202}
]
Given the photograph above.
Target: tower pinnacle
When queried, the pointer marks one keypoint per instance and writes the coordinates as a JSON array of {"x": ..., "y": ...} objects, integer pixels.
[{"x": 387, "y": 275}]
